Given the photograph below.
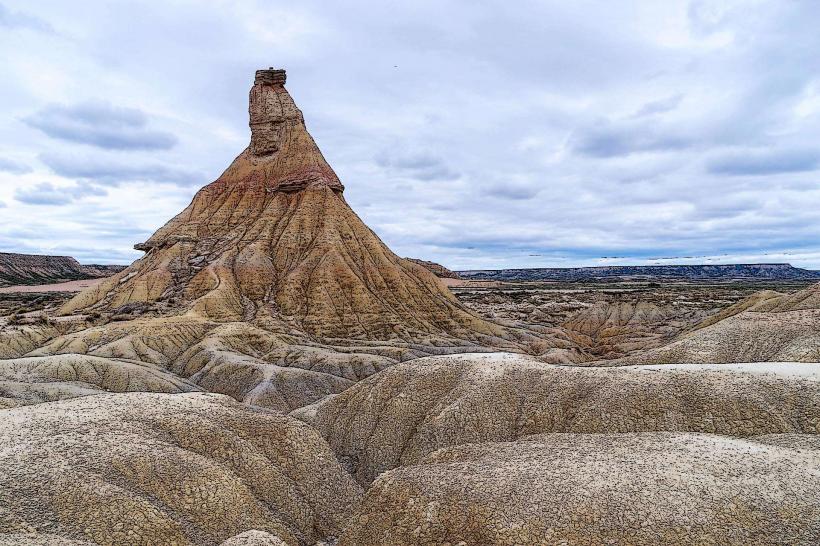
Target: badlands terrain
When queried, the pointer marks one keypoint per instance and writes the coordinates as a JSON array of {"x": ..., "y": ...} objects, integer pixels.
[{"x": 271, "y": 373}]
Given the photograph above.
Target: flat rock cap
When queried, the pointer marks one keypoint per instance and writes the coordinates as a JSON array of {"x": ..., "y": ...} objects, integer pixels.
[{"x": 270, "y": 76}]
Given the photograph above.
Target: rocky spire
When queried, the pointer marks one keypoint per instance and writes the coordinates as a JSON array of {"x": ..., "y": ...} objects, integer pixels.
[
  {"x": 273, "y": 239},
  {"x": 273, "y": 114}
]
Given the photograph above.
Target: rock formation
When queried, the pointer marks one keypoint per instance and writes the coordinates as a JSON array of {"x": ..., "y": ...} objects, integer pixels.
[
  {"x": 273, "y": 237},
  {"x": 404, "y": 413},
  {"x": 267, "y": 287},
  {"x": 610, "y": 330},
  {"x": 643, "y": 489},
  {"x": 767, "y": 327},
  {"x": 37, "y": 269},
  {"x": 43, "y": 379},
  {"x": 144, "y": 468}
]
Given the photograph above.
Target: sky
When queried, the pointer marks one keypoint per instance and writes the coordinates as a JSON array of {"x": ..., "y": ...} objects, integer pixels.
[{"x": 489, "y": 134}]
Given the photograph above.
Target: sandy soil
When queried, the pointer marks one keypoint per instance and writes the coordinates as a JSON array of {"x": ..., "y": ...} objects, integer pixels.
[{"x": 68, "y": 286}]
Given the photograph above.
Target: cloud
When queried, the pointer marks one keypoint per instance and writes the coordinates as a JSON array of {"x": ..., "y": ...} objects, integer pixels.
[
  {"x": 515, "y": 191},
  {"x": 419, "y": 165},
  {"x": 16, "y": 19},
  {"x": 3, "y": 205},
  {"x": 13, "y": 167},
  {"x": 102, "y": 125},
  {"x": 764, "y": 162},
  {"x": 661, "y": 106},
  {"x": 540, "y": 130},
  {"x": 112, "y": 173},
  {"x": 46, "y": 193},
  {"x": 607, "y": 139}
]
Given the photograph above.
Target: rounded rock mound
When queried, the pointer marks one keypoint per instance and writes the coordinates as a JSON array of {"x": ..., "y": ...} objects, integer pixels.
[
  {"x": 766, "y": 327},
  {"x": 590, "y": 489},
  {"x": 34, "y": 380},
  {"x": 406, "y": 412},
  {"x": 140, "y": 468}
]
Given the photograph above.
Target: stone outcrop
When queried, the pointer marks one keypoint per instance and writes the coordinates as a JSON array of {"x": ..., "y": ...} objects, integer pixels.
[
  {"x": 767, "y": 327},
  {"x": 267, "y": 287},
  {"x": 589, "y": 489},
  {"x": 273, "y": 237},
  {"x": 30, "y": 269},
  {"x": 410, "y": 410},
  {"x": 35, "y": 380},
  {"x": 140, "y": 468}
]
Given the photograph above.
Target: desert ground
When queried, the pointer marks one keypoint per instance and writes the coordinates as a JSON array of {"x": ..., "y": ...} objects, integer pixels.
[
  {"x": 65, "y": 287},
  {"x": 269, "y": 372}
]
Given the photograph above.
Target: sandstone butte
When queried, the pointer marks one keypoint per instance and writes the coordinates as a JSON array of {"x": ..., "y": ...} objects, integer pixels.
[
  {"x": 273, "y": 237},
  {"x": 267, "y": 288}
]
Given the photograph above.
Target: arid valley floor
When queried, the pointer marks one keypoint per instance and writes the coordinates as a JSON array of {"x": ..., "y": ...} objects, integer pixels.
[{"x": 271, "y": 373}]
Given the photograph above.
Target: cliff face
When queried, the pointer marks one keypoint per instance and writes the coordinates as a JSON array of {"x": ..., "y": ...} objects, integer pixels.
[{"x": 32, "y": 269}]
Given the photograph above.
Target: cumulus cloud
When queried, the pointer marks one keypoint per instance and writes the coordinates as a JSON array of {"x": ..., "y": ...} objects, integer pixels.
[
  {"x": 46, "y": 193},
  {"x": 13, "y": 167},
  {"x": 102, "y": 125},
  {"x": 418, "y": 165},
  {"x": 764, "y": 162},
  {"x": 612, "y": 139},
  {"x": 17, "y": 19},
  {"x": 464, "y": 132},
  {"x": 113, "y": 172}
]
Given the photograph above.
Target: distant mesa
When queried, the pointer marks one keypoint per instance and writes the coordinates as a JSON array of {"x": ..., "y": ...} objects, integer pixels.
[
  {"x": 34, "y": 269},
  {"x": 692, "y": 272}
]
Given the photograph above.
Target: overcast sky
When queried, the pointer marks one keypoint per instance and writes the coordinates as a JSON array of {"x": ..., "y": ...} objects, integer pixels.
[{"x": 476, "y": 134}]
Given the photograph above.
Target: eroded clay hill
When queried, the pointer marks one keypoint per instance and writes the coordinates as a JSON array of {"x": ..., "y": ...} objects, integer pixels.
[
  {"x": 273, "y": 236},
  {"x": 590, "y": 489},
  {"x": 267, "y": 287},
  {"x": 437, "y": 269},
  {"x": 608, "y": 330},
  {"x": 404, "y": 413},
  {"x": 767, "y": 326},
  {"x": 34, "y": 380},
  {"x": 144, "y": 468}
]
